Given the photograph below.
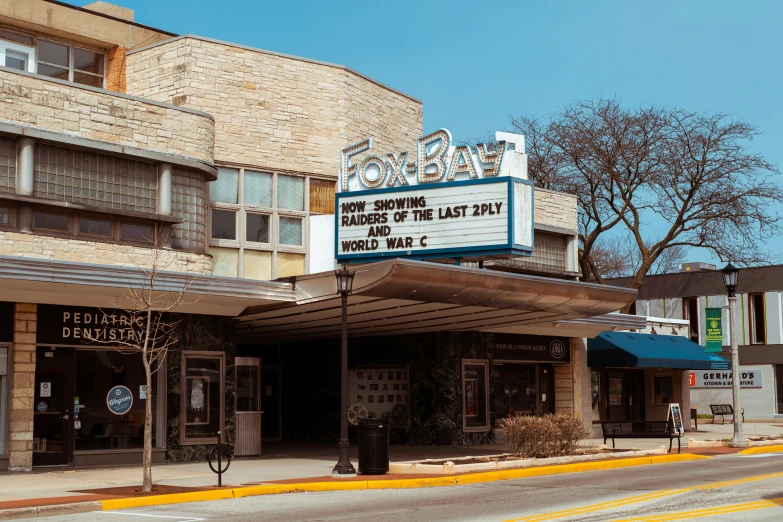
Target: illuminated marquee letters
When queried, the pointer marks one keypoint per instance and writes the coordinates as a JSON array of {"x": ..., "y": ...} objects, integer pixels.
[{"x": 432, "y": 163}]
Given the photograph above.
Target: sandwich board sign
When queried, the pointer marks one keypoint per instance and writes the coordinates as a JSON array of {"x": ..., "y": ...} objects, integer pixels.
[{"x": 676, "y": 416}]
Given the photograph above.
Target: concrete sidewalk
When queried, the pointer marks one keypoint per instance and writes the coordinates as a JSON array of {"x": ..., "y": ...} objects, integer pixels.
[{"x": 280, "y": 462}]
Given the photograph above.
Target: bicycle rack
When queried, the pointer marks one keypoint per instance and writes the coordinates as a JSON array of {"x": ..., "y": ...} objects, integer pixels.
[{"x": 218, "y": 452}]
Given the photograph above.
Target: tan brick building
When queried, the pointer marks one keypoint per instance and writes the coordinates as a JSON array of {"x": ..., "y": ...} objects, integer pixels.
[{"x": 127, "y": 150}]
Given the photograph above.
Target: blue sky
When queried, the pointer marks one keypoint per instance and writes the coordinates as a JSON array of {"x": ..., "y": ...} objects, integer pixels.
[{"x": 474, "y": 63}]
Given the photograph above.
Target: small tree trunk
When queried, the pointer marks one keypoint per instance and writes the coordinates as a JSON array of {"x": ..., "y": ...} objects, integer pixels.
[{"x": 146, "y": 486}]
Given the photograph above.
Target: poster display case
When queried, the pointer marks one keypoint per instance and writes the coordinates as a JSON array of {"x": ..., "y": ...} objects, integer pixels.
[
  {"x": 475, "y": 395},
  {"x": 381, "y": 392}
]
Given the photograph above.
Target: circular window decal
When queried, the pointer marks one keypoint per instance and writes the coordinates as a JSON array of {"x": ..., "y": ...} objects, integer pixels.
[{"x": 119, "y": 400}]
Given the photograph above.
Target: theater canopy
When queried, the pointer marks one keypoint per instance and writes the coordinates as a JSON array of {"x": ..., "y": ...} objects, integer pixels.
[
  {"x": 403, "y": 296},
  {"x": 633, "y": 350}
]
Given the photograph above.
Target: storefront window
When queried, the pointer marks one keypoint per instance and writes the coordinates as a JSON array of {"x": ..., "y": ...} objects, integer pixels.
[
  {"x": 616, "y": 391},
  {"x": 3, "y": 397},
  {"x": 475, "y": 395},
  {"x": 202, "y": 386},
  {"x": 97, "y": 372},
  {"x": 664, "y": 389}
]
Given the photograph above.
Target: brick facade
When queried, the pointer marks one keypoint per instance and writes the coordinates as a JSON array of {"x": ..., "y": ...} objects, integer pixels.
[
  {"x": 115, "y": 69},
  {"x": 81, "y": 251},
  {"x": 22, "y": 388},
  {"x": 273, "y": 111},
  {"x": 100, "y": 115}
]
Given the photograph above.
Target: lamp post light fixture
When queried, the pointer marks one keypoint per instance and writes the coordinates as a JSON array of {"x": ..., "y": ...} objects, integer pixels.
[
  {"x": 730, "y": 275},
  {"x": 344, "y": 468}
]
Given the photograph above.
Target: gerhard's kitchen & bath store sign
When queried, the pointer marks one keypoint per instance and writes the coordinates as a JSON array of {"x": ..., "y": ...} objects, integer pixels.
[
  {"x": 749, "y": 378},
  {"x": 476, "y": 216}
]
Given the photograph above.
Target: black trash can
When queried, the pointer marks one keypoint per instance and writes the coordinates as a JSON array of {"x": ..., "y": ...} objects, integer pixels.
[{"x": 373, "y": 446}]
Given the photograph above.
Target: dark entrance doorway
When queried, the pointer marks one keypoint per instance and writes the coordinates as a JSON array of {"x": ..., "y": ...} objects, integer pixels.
[
  {"x": 523, "y": 389},
  {"x": 53, "y": 414},
  {"x": 621, "y": 395}
]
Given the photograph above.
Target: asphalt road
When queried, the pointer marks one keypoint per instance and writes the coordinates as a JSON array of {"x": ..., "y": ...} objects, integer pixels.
[{"x": 727, "y": 488}]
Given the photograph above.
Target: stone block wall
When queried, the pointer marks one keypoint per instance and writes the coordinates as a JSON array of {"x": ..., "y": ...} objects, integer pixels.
[
  {"x": 564, "y": 388},
  {"x": 275, "y": 111},
  {"x": 57, "y": 106},
  {"x": 557, "y": 209},
  {"x": 22, "y": 388},
  {"x": 79, "y": 250}
]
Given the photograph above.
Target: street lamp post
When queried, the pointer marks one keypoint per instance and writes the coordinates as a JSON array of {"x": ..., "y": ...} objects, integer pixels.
[
  {"x": 730, "y": 276},
  {"x": 344, "y": 285}
]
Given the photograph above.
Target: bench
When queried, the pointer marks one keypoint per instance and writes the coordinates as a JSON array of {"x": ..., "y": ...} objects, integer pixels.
[
  {"x": 723, "y": 410},
  {"x": 641, "y": 430}
]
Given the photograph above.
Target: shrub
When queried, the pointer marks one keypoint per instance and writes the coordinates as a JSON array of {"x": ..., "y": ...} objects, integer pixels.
[{"x": 540, "y": 437}]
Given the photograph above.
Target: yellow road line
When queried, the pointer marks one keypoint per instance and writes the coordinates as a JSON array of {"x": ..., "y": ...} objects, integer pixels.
[
  {"x": 599, "y": 507},
  {"x": 642, "y": 498},
  {"x": 721, "y": 510}
]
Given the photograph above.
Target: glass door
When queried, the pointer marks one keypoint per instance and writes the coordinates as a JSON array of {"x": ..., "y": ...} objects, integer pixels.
[
  {"x": 618, "y": 396},
  {"x": 53, "y": 407},
  {"x": 515, "y": 390},
  {"x": 546, "y": 385}
]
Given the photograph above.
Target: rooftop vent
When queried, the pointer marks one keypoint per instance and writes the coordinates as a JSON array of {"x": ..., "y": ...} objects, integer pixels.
[
  {"x": 110, "y": 9},
  {"x": 696, "y": 267}
]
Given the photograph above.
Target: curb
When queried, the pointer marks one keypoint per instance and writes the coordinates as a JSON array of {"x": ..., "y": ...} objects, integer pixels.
[
  {"x": 759, "y": 450},
  {"x": 50, "y": 511},
  {"x": 454, "y": 480},
  {"x": 354, "y": 485}
]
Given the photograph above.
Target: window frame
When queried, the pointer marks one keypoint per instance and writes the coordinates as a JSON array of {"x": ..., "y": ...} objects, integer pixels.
[
  {"x": 487, "y": 412},
  {"x": 663, "y": 375},
  {"x": 11, "y": 225},
  {"x": 71, "y": 69},
  {"x": 200, "y": 354},
  {"x": 752, "y": 311},
  {"x": 6, "y": 45},
  {"x": 274, "y": 246},
  {"x": 112, "y": 228},
  {"x": 68, "y": 217}
]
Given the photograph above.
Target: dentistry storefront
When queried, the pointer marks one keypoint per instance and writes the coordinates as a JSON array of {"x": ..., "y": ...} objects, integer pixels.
[{"x": 90, "y": 393}]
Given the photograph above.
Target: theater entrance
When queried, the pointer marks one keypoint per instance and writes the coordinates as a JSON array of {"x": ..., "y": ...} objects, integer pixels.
[{"x": 523, "y": 389}]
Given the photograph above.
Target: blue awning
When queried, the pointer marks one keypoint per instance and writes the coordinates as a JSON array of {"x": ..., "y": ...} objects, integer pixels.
[{"x": 634, "y": 350}]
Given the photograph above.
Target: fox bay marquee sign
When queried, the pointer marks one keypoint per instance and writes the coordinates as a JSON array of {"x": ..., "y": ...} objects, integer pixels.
[{"x": 450, "y": 202}]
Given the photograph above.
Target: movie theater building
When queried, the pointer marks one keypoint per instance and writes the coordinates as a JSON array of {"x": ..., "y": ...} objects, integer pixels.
[
  {"x": 465, "y": 306},
  {"x": 113, "y": 130}
]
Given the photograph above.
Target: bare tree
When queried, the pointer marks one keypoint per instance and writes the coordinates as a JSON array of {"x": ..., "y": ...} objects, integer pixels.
[
  {"x": 692, "y": 172},
  {"x": 618, "y": 256},
  {"x": 150, "y": 332}
]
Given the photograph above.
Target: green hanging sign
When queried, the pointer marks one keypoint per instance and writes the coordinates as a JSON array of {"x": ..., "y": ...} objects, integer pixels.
[{"x": 714, "y": 330}]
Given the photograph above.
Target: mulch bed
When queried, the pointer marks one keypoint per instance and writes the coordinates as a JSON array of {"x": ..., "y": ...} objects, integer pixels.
[{"x": 135, "y": 491}]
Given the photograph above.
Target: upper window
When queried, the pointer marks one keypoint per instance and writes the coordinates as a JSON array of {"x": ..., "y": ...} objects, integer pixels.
[
  {"x": 259, "y": 221},
  {"x": 690, "y": 312},
  {"x": 74, "y": 64},
  {"x": 758, "y": 325},
  {"x": 16, "y": 55}
]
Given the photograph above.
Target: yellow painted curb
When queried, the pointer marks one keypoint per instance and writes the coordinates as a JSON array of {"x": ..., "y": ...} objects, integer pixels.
[
  {"x": 349, "y": 485},
  {"x": 758, "y": 450}
]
